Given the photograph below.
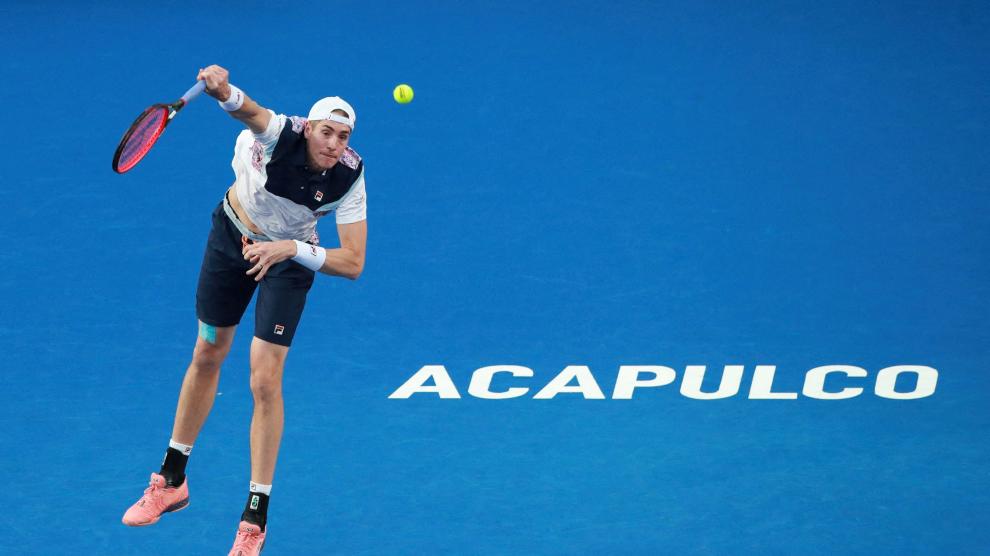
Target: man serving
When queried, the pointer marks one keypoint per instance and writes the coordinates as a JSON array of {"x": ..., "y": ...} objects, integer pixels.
[{"x": 289, "y": 172}]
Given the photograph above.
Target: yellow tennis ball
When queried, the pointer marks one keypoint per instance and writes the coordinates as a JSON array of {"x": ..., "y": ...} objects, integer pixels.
[{"x": 403, "y": 94}]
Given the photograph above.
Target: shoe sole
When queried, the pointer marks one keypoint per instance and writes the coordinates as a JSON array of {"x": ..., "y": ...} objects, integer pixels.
[{"x": 178, "y": 506}]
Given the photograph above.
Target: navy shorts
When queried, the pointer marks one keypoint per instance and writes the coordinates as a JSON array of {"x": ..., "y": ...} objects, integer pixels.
[{"x": 225, "y": 290}]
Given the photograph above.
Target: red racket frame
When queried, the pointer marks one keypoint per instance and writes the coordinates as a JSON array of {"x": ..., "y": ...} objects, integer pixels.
[{"x": 148, "y": 144}]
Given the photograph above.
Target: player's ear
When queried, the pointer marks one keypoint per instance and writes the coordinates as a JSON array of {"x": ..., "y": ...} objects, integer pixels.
[{"x": 308, "y": 129}]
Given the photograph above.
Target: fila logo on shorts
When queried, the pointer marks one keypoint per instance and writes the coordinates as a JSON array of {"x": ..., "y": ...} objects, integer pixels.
[
  {"x": 279, "y": 329},
  {"x": 318, "y": 196}
]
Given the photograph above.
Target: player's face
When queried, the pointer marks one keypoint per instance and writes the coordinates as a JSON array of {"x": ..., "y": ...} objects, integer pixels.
[{"x": 326, "y": 141}]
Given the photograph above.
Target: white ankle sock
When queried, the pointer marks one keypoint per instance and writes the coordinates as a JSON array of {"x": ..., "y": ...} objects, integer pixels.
[
  {"x": 261, "y": 489},
  {"x": 185, "y": 449}
]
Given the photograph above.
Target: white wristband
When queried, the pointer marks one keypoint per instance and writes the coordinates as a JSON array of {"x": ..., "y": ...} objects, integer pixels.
[
  {"x": 234, "y": 101},
  {"x": 310, "y": 256}
]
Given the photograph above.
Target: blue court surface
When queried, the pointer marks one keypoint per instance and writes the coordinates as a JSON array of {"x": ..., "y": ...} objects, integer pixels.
[{"x": 788, "y": 184}]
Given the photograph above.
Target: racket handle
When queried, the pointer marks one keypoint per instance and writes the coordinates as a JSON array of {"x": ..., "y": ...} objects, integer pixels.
[{"x": 194, "y": 91}]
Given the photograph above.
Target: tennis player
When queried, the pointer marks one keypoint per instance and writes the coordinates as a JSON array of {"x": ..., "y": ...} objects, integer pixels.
[{"x": 289, "y": 172}]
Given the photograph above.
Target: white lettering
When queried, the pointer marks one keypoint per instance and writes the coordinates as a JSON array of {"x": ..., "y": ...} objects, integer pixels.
[
  {"x": 814, "y": 382},
  {"x": 481, "y": 382},
  {"x": 628, "y": 379},
  {"x": 762, "y": 386},
  {"x": 578, "y": 379},
  {"x": 887, "y": 379},
  {"x": 694, "y": 375},
  {"x": 586, "y": 385},
  {"x": 417, "y": 383}
]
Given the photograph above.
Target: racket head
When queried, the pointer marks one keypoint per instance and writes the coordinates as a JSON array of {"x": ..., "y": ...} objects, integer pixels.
[{"x": 140, "y": 137}]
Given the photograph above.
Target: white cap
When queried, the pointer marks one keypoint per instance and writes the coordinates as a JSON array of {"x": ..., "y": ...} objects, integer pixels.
[{"x": 323, "y": 110}]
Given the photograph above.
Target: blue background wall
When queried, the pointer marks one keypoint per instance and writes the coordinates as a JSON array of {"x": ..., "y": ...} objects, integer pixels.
[{"x": 575, "y": 183}]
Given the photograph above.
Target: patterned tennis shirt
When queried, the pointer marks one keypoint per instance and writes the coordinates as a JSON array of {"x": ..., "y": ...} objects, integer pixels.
[{"x": 281, "y": 195}]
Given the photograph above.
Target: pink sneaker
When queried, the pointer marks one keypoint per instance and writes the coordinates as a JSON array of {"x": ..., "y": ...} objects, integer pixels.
[
  {"x": 249, "y": 541},
  {"x": 157, "y": 500}
]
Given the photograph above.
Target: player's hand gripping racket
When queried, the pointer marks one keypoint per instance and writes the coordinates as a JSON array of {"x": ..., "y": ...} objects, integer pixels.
[{"x": 147, "y": 128}]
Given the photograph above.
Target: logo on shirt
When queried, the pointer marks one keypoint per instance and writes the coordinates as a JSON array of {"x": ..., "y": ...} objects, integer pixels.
[
  {"x": 318, "y": 196},
  {"x": 279, "y": 329}
]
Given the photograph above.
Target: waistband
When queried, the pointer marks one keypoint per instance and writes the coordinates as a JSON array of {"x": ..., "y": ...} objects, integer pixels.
[{"x": 229, "y": 210}]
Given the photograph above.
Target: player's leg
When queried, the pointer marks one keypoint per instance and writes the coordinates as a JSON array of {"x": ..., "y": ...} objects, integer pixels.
[
  {"x": 199, "y": 387},
  {"x": 267, "y": 364},
  {"x": 281, "y": 300},
  {"x": 222, "y": 295},
  {"x": 168, "y": 490}
]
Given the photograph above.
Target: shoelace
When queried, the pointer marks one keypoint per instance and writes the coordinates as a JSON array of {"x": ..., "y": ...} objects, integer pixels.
[
  {"x": 248, "y": 538},
  {"x": 150, "y": 494}
]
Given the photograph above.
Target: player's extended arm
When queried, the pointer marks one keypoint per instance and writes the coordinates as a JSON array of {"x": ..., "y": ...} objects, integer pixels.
[
  {"x": 251, "y": 114},
  {"x": 346, "y": 260}
]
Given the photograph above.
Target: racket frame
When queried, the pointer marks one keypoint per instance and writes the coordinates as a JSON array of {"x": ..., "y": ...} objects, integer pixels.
[{"x": 173, "y": 109}]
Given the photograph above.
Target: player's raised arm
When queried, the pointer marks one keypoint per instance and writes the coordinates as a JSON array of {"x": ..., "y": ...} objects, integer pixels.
[{"x": 233, "y": 100}]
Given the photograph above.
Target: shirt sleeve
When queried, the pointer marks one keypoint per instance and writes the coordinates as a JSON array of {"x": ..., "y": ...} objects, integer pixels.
[
  {"x": 270, "y": 136},
  {"x": 354, "y": 207}
]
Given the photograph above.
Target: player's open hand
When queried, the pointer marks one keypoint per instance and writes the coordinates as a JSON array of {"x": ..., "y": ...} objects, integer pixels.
[
  {"x": 266, "y": 254},
  {"x": 217, "y": 82}
]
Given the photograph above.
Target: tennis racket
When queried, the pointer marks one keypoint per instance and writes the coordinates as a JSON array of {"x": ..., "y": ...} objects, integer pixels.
[{"x": 147, "y": 128}]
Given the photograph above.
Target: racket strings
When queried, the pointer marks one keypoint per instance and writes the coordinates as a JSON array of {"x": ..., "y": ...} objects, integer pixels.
[{"x": 143, "y": 135}]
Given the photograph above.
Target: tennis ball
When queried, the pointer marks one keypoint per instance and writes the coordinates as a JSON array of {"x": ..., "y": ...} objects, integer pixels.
[{"x": 403, "y": 94}]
